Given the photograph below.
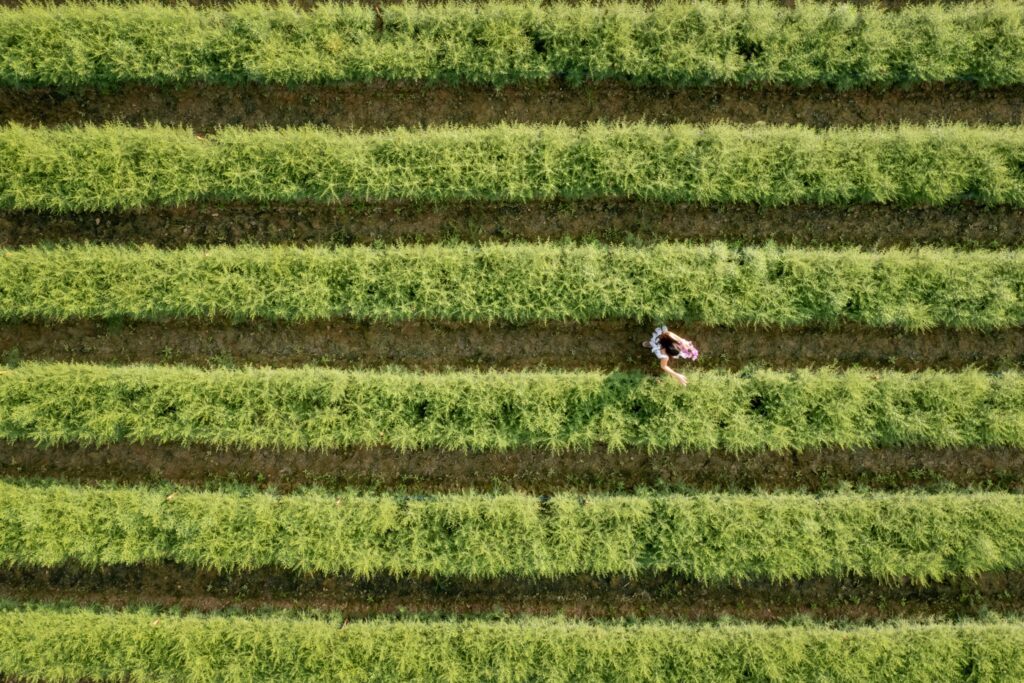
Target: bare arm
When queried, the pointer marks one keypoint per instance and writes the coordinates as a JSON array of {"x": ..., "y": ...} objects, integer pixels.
[{"x": 679, "y": 377}]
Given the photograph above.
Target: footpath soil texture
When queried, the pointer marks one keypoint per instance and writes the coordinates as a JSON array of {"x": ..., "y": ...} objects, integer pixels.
[
  {"x": 384, "y": 105},
  {"x": 583, "y": 597},
  {"x": 536, "y": 471},
  {"x": 439, "y": 346},
  {"x": 611, "y": 221}
]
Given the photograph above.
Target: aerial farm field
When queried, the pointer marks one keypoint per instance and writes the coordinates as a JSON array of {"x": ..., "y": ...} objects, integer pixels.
[{"x": 321, "y": 341}]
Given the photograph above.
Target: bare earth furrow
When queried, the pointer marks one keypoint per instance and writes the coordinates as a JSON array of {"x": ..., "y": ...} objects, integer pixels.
[
  {"x": 538, "y": 471},
  {"x": 644, "y": 596},
  {"x": 437, "y": 346},
  {"x": 631, "y": 222},
  {"x": 206, "y": 107}
]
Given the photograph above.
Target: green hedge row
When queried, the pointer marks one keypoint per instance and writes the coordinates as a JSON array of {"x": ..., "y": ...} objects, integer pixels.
[
  {"x": 46, "y": 644},
  {"x": 521, "y": 283},
  {"x": 324, "y": 409},
  {"x": 118, "y": 167},
  {"x": 706, "y": 537},
  {"x": 670, "y": 44}
]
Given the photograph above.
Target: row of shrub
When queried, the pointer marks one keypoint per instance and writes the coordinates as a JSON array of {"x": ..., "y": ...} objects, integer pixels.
[
  {"x": 47, "y": 644},
  {"x": 708, "y": 537},
  {"x": 471, "y": 411},
  {"x": 117, "y": 167},
  {"x": 496, "y": 43},
  {"x": 521, "y": 283}
]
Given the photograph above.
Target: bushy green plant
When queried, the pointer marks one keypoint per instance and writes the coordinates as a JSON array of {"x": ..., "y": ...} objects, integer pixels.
[
  {"x": 117, "y": 167},
  {"x": 495, "y": 43},
  {"x": 47, "y": 644},
  {"x": 521, "y": 283},
  {"x": 325, "y": 409},
  {"x": 706, "y": 537}
]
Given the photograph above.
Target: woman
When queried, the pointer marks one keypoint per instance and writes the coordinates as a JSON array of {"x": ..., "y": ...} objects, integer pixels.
[{"x": 667, "y": 345}]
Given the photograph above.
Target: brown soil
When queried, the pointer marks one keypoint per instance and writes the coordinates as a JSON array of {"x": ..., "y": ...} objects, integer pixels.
[
  {"x": 646, "y": 596},
  {"x": 536, "y": 471},
  {"x": 610, "y": 221},
  {"x": 599, "y": 345},
  {"x": 386, "y": 105}
]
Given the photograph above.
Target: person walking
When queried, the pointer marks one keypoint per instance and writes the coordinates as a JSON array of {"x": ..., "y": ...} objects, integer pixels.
[{"x": 666, "y": 345}]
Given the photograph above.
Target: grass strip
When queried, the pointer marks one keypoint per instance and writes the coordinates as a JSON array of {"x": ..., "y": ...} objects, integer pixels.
[
  {"x": 673, "y": 44},
  {"x": 759, "y": 410},
  {"x": 117, "y": 167},
  {"x": 71, "y": 644},
  {"x": 521, "y": 283},
  {"x": 713, "y": 538}
]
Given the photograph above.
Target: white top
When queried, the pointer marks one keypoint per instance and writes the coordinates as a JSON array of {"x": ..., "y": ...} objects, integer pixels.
[
  {"x": 656, "y": 349},
  {"x": 685, "y": 347}
]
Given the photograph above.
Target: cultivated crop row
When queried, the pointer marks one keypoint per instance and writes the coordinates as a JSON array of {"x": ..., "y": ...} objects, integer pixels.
[
  {"x": 74, "y": 644},
  {"x": 118, "y": 167},
  {"x": 324, "y": 409},
  {"x": 521, "y": 283},
  {"x": 704, "y": 537},
  {"x": 672, "y": 44}
]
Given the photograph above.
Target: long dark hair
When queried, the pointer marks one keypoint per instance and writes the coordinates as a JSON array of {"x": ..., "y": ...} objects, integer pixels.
[{"x": 668, "y": 344}]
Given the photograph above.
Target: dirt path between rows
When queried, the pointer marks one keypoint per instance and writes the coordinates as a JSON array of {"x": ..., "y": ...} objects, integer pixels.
[
  {"x": 612, "y": 221},
  {"x": 387, "y": 105},
  {"x": 436, "y": 346},
  {"x": 645, "y": 596},
  {"x": 537, "y": 471}
]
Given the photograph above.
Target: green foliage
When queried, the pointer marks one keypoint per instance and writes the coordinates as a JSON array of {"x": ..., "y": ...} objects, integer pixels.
[
  {"x": 521, "y": 283},
  {"x": 118, "y": 167},
  {"x": 323, "y": 409},
  {"x": 669, "y": 44},
  {"x": 47, "y": 644},
  {"x": 707, "y": 537}
]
